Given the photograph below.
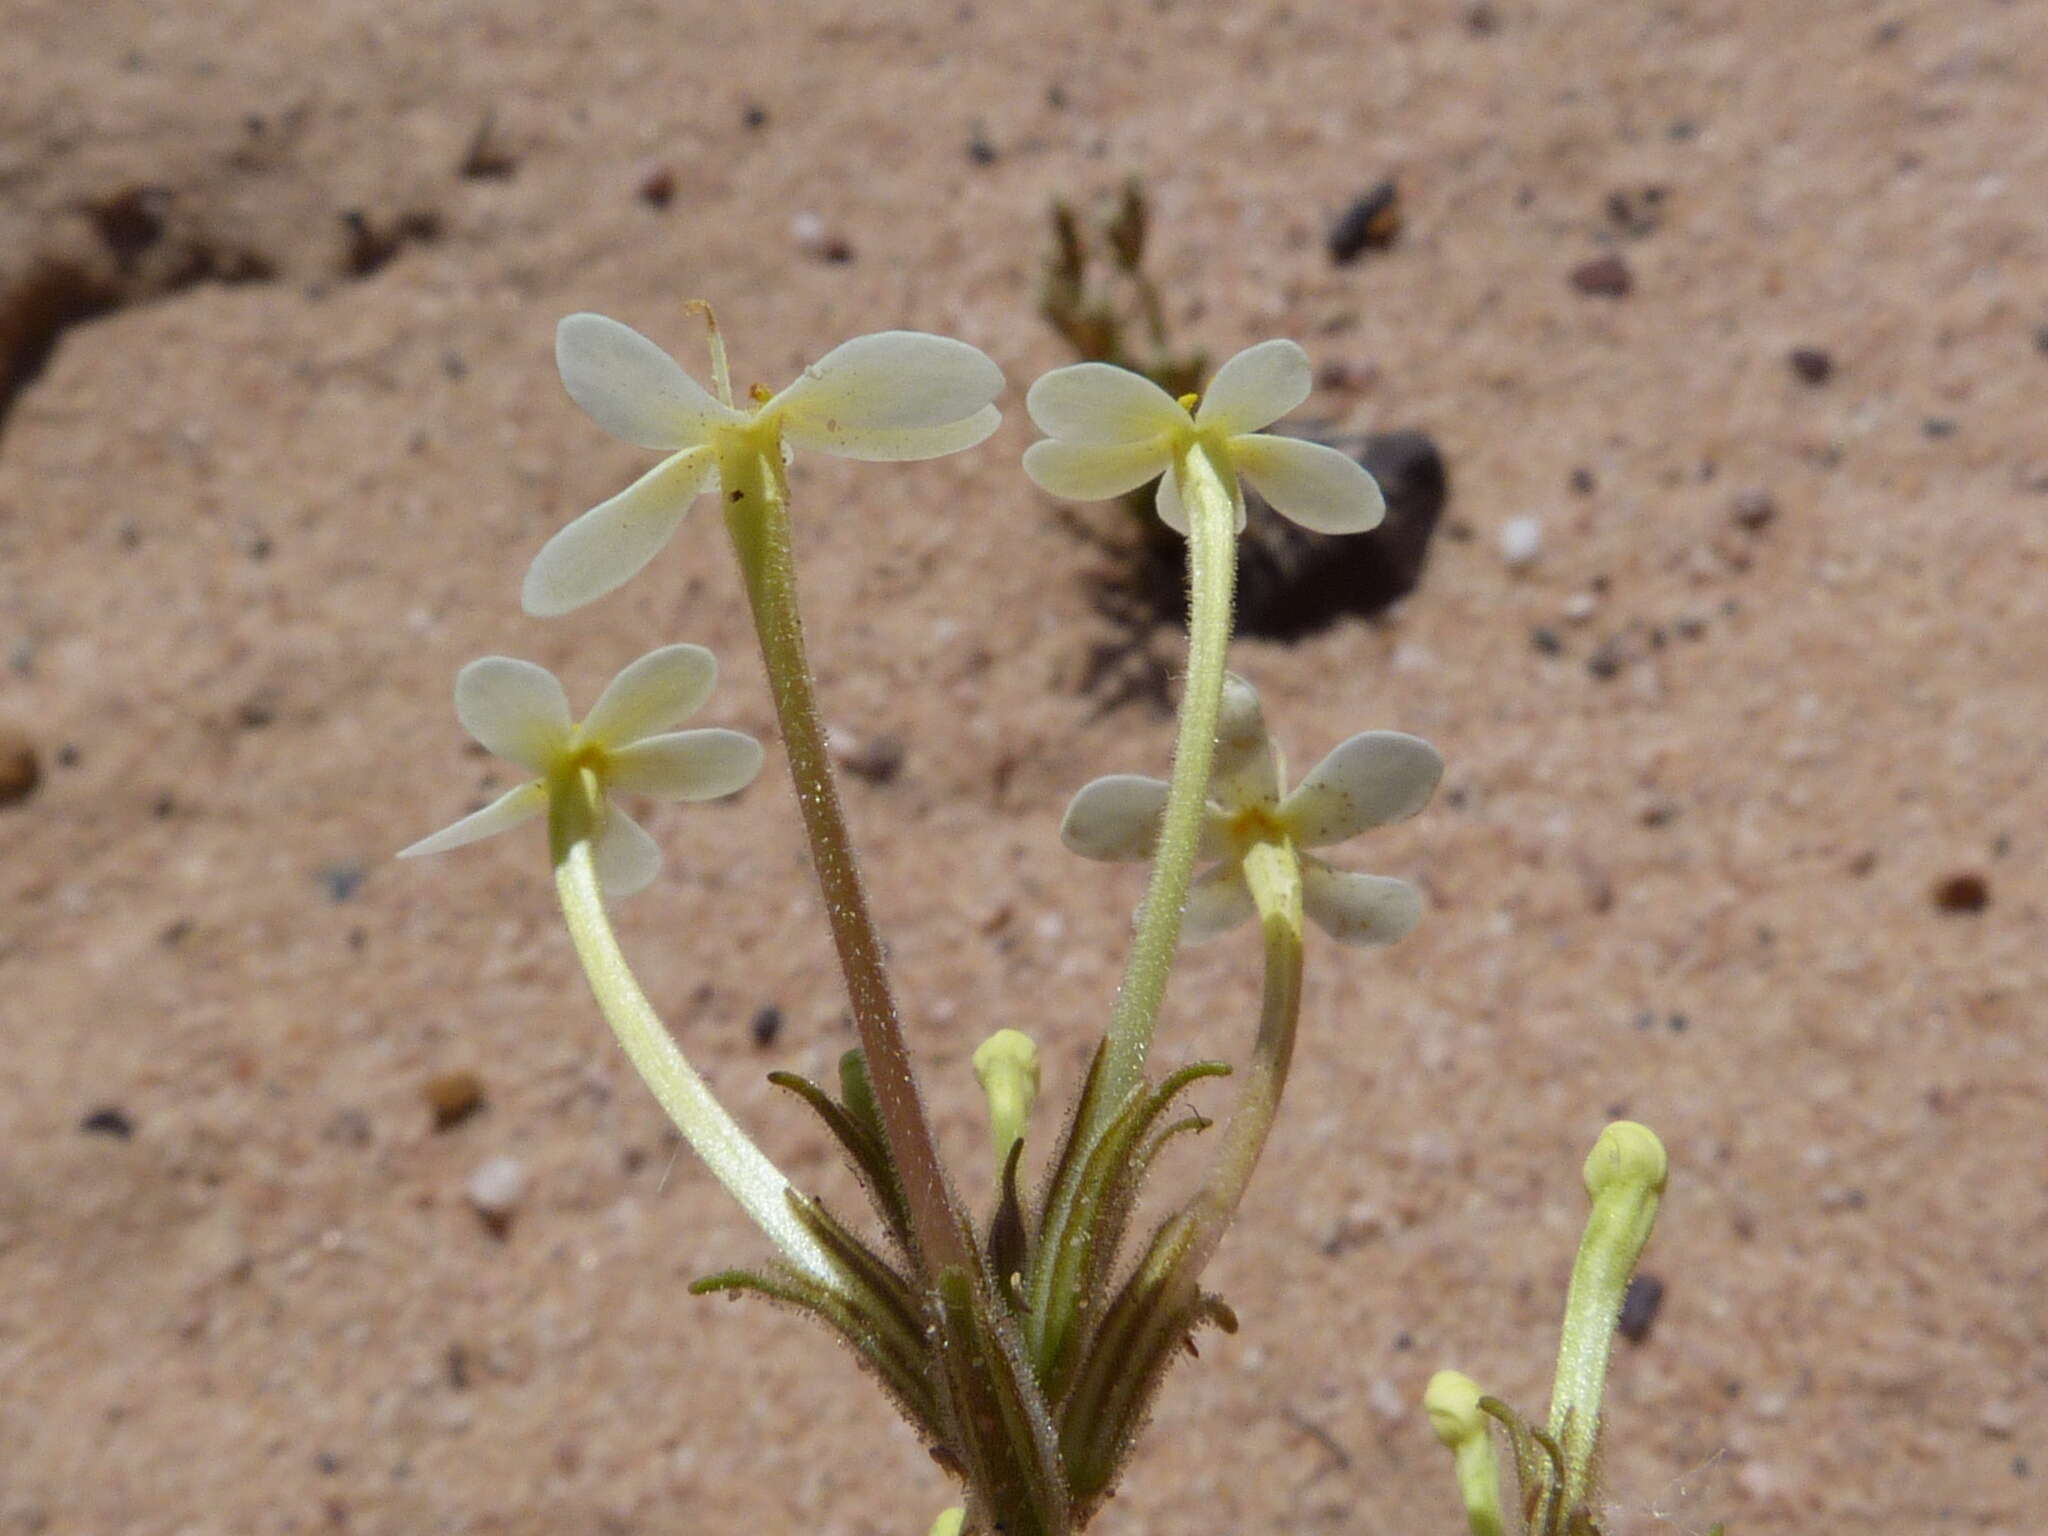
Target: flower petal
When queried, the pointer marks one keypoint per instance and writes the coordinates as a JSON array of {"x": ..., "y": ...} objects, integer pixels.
[
  {"x": 651, "y": 695},
  {"x": 1217, "y": 902},
  {"x": 626, "y": 858},
  {"x": 892, "y": 381},
  {"x": 1255, "y": 388},
  {"x": 611, "y": 543},
  {"x": 890, "y": 445},
  {"x": 1317, "y": 486},
  {"x": 1115, "y": 818},
  {"x": 1358, "y": 909},
  {"x": 1095, "y": 471},
  {"x": 511, "y": 809},
  {"x": 515, "y": 708},
  {"x": 1174, "y": 513},
  {"x": 688, "y": 765},
  {"x": 633, "y": 389},
  {"x": 1368, "y": 781},
  {"x": 1101, "y": 403},
  {"x": 1246, "y": 768}
]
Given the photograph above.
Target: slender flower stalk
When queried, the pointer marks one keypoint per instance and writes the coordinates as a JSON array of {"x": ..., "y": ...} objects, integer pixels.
[
  {"x": 1212, "y": 564},
  {"x": 755, "y": 1182},
  {"x": 757, "y": 517},
  {"x": 1465, "y": 1429}
]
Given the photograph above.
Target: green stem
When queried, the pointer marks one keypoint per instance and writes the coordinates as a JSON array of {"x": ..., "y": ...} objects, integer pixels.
[
  {"x": 1273, "y": 870},
  {"x": 737, "y": 1163},
  {"x": 757, "y": 517},
  {"x": 1212, "y": 566}
]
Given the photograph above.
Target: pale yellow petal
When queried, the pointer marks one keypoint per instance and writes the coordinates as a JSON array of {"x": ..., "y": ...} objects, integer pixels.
[
  {"x": 612, "y": 542},
  {"x": 625, "y": 857},
  {"x": 1255, "y": 388},
  {"x": 513, "y": 808},
  {"x": 515, "y": 708},
  {"x": 890, "y": 445},
  {"x": 687, "y": 765},
  {"x": 651, "y": 695},
  {"x": 892, "y": 381},
  {"x": 1099, "y": 403},
  {"x": 1115, "y": 818},
  {"x": 1316, "y": 486},
  {"x": 1095, "y": 471},
  {"x": 1368, "y": 781},
  {"x": 631, "y": 388},
  {"x": 1217, "y": 902},
  {"x": 1358, "y": 909}
]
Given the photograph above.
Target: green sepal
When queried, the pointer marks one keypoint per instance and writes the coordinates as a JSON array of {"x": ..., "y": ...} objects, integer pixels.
[
  {"x": 1009, "y": 1240},
  {"x": 854, "y": 1125},
  {"x": 1001, "y": 1432},
  {"x": 1539, "y": 1467},
  {"x": 1151, "y": 1319},
  {"x": 1088, "y": 1206},
  {"x": 875, "y": 1348}
]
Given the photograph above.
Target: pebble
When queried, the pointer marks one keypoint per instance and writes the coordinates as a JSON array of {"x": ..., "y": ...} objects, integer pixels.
[
  {"x": 1753, "y": 509},
  {"x": 1964, "y": 891},
  {"x": 452, "y": 1097},
  {"x": 20, "y": 769},
  {"x": 813, "y": 239},
  {"x": 1639, "y": 1306},
  {"x": 1521, "y": 541},
  {"x": 1545, "y": 641},
  {"x": 108, "y": 1120},
  {"x": 1637, "y": 211},
  {"x": 1371, "y": 223},
  {"x": 766, "y": 1025},
  {"x": 657, "y": 188},
  {"x": 1811, "y": 365},
  {"x": 1604, "y": 277},
  {"x": 495, "y": 1189},
  {"x": 877, "y": 758},
  {"x": 1580, "y": 607},
  {"x": 342, "y": 880}
]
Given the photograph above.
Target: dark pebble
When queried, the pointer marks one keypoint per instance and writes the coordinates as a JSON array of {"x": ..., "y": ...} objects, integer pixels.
[
  {"x": 254, "y": 714},
  {"x": 981, "y": 149},
  {"x": 108, "y": 1120},
  {"x": 1604, "y": 277},
  {"x": 2041, "y": 338},
  {"x": 342, "y": 880},
  {"x": 1753, "y": 509},
  {"x": 20, "y": 769},
  {"x": 878, "y": 759},
  {"x": 754, "y": 116},
  {"x": 1545, "y": 641},
  {"x": 657, "y": 188},
  {"x": 1811, "y": 365},
  {"x": 69, "y": 756},
  {"x": 1607, "y": 660},
  {"x": 1481, "y": 19},
  {"x": 1964, "y": 891},
  {"x": 1582, "y": 481},
  {"x": 1938, "y": 427},
  {"x": 767, "y": 1026},
  {"x": 487, "y": 158},
  {"x": 1639, "y": 1306},
  {"x": 452, "y": 1097},
  {"x": 1371, "y": 223},
  {"x": 1636, "y": 211}
]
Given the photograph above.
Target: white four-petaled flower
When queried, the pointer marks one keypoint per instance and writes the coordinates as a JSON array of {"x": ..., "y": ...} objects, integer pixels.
[
  {"x": 1370, "y": 780},
  {"x": 519, "y": 711},
  {"x": 894, "y": 395},
  {"x": 1109, "y": 431}
]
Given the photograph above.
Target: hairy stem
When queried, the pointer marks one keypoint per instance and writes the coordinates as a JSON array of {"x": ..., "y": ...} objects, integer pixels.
[
  {"x": 737, "y": 1163},
  {"x": 1273, "y": 870},
  {"x": 1212, "y": 576},
  {"x": 757, "y": 517}
]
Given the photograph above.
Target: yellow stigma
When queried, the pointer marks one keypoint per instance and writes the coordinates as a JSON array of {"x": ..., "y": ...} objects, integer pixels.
[
  {"x": 1189, "y": 401},
  {"x": 760, "y": 394}
]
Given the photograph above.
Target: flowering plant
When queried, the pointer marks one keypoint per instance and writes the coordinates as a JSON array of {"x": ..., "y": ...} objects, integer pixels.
[{"x": 1024, "y": 1348}]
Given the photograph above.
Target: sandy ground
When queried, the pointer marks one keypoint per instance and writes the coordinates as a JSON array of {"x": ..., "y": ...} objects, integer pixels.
[{"x": 1706, "y": 779}]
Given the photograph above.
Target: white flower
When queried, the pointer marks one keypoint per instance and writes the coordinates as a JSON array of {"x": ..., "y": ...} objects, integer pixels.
[
  {"x": 519, "y": 711},
  {"x": 1109, "y": 430},
  {"x": 890, "y": 396},
  {"x": 1372, "y": 779}
]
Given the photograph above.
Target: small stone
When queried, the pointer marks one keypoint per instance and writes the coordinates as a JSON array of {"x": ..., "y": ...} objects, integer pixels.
[
  {"x": 1371, "y": 223},
  {"x": 877, "y": 759},
  {"x": 1545, "y": 641},
  {"x": 1965, "y": 891},
  {"x": 754, "y": 117},
  {"x": 1811, "y": 365},
  {"x": 813, "y": 239},
  {"x": 1607, "y": 660},
  {"x": 1580, "y": 607},
  {"x": 1521, "y": 541},
  {"x": 1753, "y": 509},
  {"x": 657, "y": 188},
  {"x": 488, "y": 158},
  {"x": 452, "y": 1097},
  {"x": 1582, "y": 481},
  {"x": 1604, "y": 277},
  {"x": 2001, "y": 1418},
  {"x": 342, "y": 880},
  {"x": 20, "y": 769},
  {"x": 766, "y": 1026},
  {"x": 1636, "y": 211},
  {"x": 981, "y": 149},
  {"x": 495, "y": 1189},
  {"x": 108, "y": 1120},
  {"x": 1939, "y": 427},
  {"x": 1639, "y": 1306}
]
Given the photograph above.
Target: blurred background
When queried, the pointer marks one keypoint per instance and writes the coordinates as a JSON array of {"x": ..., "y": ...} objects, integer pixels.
[{"x": 1726, "y": 321}]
